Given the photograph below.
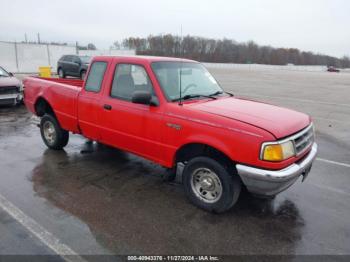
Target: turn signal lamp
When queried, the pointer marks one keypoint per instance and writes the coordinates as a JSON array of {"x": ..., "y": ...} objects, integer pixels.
[{"x": 277, "y": 152}]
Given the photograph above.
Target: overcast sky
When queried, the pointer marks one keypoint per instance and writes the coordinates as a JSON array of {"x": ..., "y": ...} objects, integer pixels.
[{"x": 310, "y": 25}]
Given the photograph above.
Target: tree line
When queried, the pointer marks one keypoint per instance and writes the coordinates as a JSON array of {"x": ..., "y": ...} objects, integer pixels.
[{"x": 226, "y": 51}]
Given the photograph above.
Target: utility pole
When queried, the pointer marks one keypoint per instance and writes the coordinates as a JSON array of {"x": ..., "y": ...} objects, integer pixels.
[
  {"x": 16, "y": 56},
  {"x": 38, "y": 38},
  {"x": 25, "y": 38},
  {"x": 77, "y": 47}
]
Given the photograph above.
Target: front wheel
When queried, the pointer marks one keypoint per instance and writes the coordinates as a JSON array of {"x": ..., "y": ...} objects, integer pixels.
[
  {"x": 209, "y": 185},
  {"x": 52, "y": 134}
]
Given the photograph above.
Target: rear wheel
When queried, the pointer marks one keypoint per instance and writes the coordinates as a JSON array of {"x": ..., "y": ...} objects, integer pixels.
[
  {"x": 209, "y": 185},
  {"x": 52, "y": 134},
  {"x": 61, "y": 73}
]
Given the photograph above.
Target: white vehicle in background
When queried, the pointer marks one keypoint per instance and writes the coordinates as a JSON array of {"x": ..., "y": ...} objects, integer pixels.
[{"x": 11, "y": 89}]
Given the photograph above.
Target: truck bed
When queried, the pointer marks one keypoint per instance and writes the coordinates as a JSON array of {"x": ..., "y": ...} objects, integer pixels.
[
  {"x": 60, "y": 94},
  {"x": 67, "y": 81}
]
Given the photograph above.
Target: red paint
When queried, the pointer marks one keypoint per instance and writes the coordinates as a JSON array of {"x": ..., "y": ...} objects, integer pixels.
[{"x": 236, "y": 127}]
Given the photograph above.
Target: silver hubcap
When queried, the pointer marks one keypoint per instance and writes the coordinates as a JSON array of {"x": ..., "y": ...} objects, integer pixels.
[
  {"x": 206, "y": 185},
  {"x": 49, "y": 132},
  {"x": 60, "y": 73}
]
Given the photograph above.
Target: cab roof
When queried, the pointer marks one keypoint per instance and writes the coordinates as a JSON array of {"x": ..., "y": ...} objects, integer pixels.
[{"x": 148, "y": 59}]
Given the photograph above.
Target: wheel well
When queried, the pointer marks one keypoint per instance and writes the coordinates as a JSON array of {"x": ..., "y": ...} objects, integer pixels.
[
  {"x": 189, "y": 151},
  {"x": 42, "y": 107}
]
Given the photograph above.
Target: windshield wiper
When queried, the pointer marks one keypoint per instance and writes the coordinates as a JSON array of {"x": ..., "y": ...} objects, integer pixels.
[
  {"x": 220, "y": 93},
  {"x": 192, "y": 96},
  {"x": 212, "y": 96},
  {"x": 216, "y": 93}
]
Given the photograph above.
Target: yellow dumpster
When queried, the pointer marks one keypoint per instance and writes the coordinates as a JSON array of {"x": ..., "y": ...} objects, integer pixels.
[{"x": 45, "y": 71}]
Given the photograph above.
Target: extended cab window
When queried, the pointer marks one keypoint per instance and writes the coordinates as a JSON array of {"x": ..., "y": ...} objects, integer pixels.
[
  {"x": 128, "y": 79},
  {"x": 95, "y": 77}
]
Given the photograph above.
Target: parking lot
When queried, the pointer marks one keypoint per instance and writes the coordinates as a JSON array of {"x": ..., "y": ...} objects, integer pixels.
[{"x": 98, "y": 200}]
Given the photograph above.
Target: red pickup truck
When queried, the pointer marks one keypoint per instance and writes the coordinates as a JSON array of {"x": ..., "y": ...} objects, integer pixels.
[{"x": 173, "y": 111}]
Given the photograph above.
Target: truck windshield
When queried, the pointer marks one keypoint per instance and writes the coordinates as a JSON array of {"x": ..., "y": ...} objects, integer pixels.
[
  {"x": 3, "y": 73},
  {"x": 195, "y": 80}
]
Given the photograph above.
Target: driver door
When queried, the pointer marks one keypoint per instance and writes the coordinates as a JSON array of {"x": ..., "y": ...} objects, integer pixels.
[{"x": 126, "y": 125}]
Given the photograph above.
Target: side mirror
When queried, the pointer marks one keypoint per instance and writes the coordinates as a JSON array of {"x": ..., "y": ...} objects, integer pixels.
[
  {"x": 10, "y": 74},
  {"x": 142, "y": 97}
]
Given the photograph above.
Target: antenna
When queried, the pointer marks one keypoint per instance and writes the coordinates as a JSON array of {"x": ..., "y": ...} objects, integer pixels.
[{"x": 181, "y": 55}]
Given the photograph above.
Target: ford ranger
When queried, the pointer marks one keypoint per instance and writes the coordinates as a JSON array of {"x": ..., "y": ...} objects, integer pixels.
[{"x": 172, "y": 111}]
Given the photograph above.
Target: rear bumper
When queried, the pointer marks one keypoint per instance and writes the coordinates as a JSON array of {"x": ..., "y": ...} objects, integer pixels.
[{"x": 271, "y": 182}]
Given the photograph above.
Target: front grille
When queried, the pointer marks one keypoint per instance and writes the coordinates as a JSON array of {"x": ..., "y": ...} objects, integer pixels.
[
  {"x": 9, "y": 90},
  {"x": 304, "y": 139}
]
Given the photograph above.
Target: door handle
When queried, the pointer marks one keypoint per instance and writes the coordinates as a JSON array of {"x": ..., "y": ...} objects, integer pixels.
[{"x": 107, "y": 107}]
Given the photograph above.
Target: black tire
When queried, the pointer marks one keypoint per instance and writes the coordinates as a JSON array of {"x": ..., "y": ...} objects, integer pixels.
[
  {"x": 230, "y": 185},
  {"x": 82, "y": 75},
  {"x": 61, "y": 73},
  {"x": 59, "y": 137},
  {"x": 272, "y": 197}
]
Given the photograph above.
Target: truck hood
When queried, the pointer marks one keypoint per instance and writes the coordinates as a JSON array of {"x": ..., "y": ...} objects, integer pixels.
[
  {"x": 9, "y": 81},
  {"x": 279, "y": 121}
]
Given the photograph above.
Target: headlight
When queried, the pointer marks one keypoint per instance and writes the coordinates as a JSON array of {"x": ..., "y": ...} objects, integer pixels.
[{"x": 277, "y": 152}]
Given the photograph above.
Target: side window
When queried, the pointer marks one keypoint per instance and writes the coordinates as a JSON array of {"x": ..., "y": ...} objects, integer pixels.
[
  {"x": 76, "y": 59},
  {"x": 95, "y": 77},
  {"x": 129, "y": 78},
  {"x": 63, "y": 58}
]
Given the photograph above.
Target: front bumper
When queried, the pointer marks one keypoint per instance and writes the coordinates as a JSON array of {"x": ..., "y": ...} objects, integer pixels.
[
  {"x": 10, "y": 99},
  {"x": 271, "y": 182}
]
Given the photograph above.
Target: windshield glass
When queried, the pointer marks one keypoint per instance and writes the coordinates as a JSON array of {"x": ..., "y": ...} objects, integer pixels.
[
  {"x": 3, "y": 72},
  {"x": 85, "y": 59},
  {"x": 195, "y": 79}
]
